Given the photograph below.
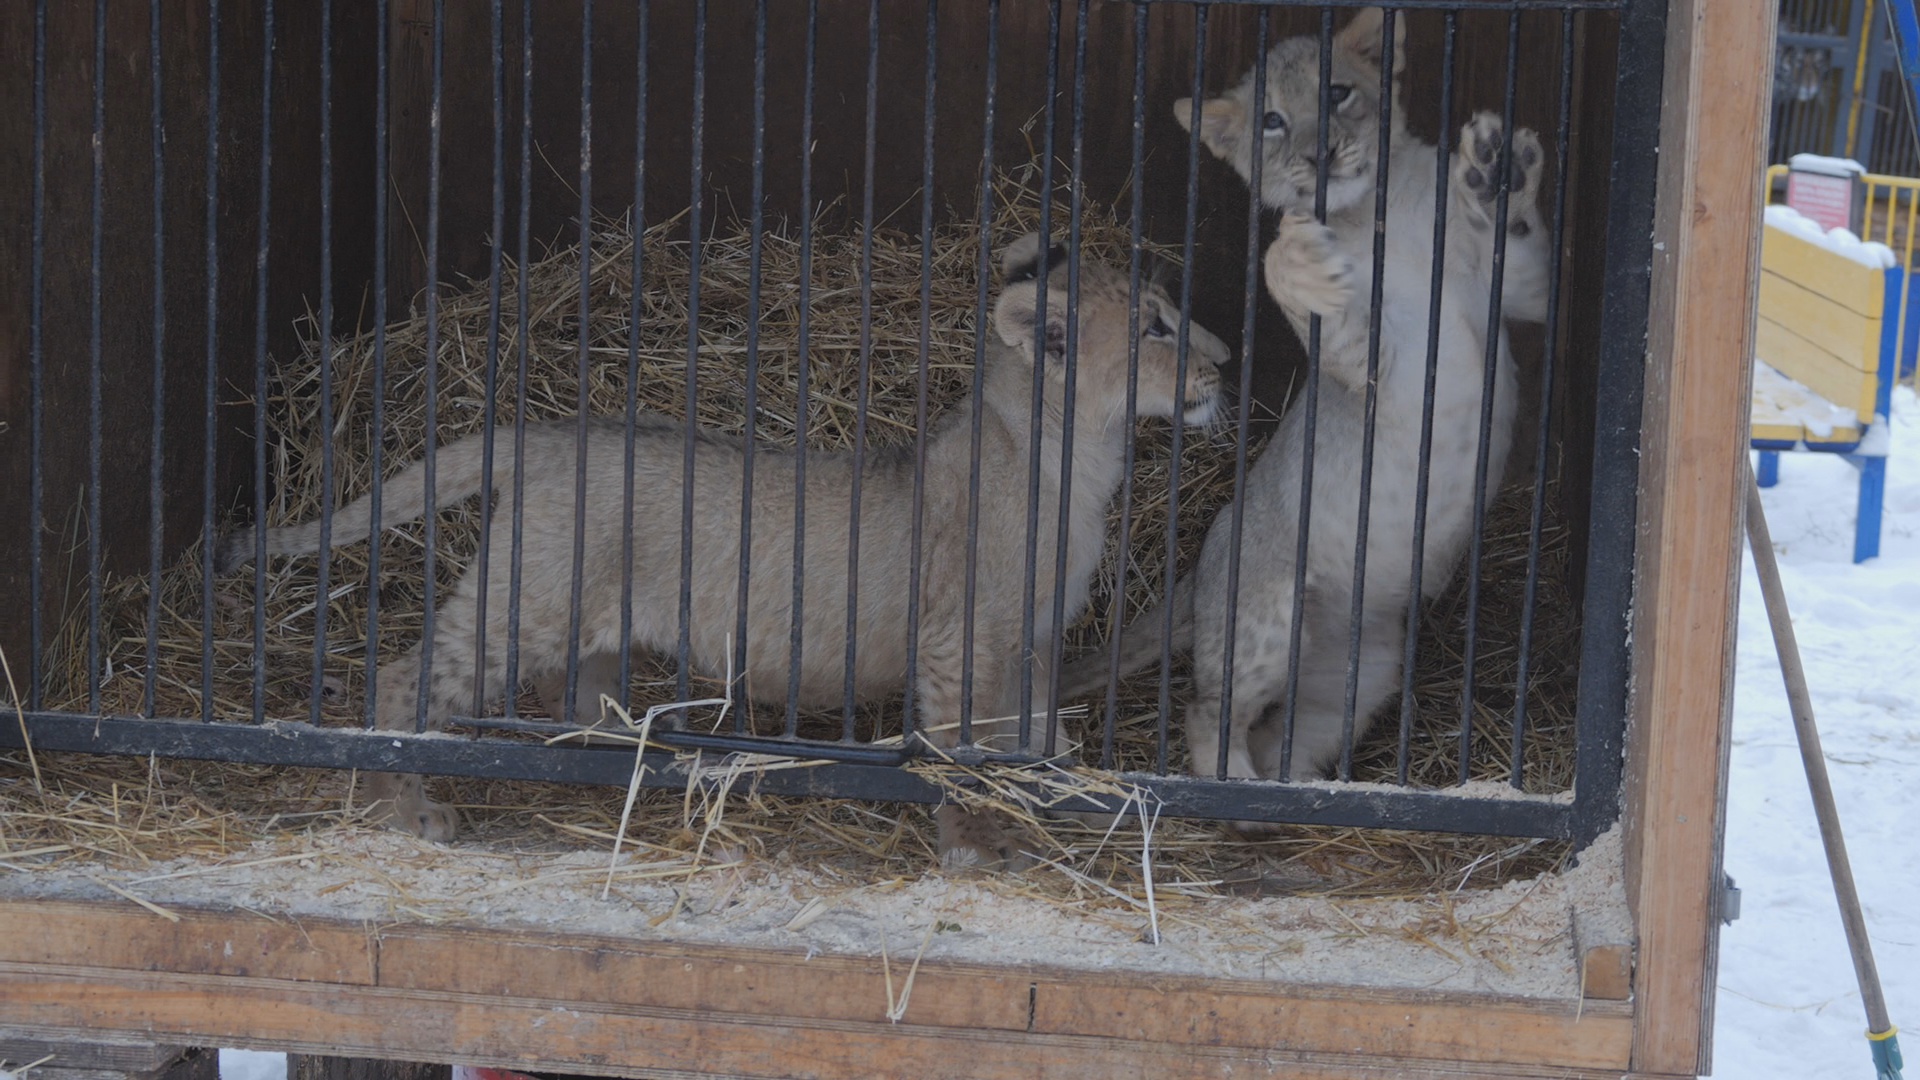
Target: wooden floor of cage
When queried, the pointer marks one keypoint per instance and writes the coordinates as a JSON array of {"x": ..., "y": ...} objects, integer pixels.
[{"x": 130, "y": 813}]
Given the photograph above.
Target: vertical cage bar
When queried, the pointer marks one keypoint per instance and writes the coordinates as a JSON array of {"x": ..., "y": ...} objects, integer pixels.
[
  {"x": 95, "y": 430},
  {"x": 583, "y": 369},
  {"x": 156, "y": 474},
  {"x": 985, "y": 274},
  {"x": 638, "y": 290},
  {"x": 803, "y": 371},
  {"x": 1111, "y": 715},
  {"x": 1256, "y": 162},
  {"x": 1310, "y": 416},
  {"x": 1172, "y": 546},
  {"x": 1484, "y": 461},
  {"x": 36, "y": 354},
  {"x": 753, "y": 351},
  {"x": 1035, "y": 421},
  {"x": 862, "y": 395},
  {"x": 263, "y": 243},
  {"x": 1371, "y": 409},
  {"x": 490, "y": 407},
  {"x": 1442, "y": 174},
  {"x": 524, "y": 332},
  {"x": 322, "y": 601},
  {"x": 910, "y": 700},
  {"x": 1530, "y": 599},
  {"x": 429, "y": 462},
  {"x": 695, "y": 201},
  {"x": 1056, "y": 639},
  {"x": 210, "y": 434},
  {"x": 376, "y": 439}
]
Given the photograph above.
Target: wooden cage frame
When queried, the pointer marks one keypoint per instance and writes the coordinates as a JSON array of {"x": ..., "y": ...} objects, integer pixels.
[{"x": 579, "y": 1003}]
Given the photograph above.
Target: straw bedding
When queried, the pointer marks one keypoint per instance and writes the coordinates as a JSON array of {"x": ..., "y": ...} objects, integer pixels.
[{"x": 136, "y": 812}]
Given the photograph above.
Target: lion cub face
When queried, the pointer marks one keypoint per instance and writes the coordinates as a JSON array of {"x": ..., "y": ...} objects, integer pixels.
[{"x": 1103, "y": 348}]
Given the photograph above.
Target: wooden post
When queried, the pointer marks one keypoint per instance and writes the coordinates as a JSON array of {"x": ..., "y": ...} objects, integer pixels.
[
  {"x": 319, "y": 1067},
  {"x": 1694, "y": 437}
]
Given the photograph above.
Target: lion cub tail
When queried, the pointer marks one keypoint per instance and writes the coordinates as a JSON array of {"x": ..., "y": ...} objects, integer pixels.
[
  {"x": 457, "y": 476},
  {"x": 1141, "y": 643}
]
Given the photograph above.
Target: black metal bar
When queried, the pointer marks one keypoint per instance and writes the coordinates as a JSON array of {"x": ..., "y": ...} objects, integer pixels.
[
  {"x": 323, "y": 574},
  {"x": 638, "y": 279},
  {"x": 1256, "y": 162},
  {"x": 1443, "y": 172},
  {"x": 490, "y": 407},
  {"x": 909, "y": 699},
  {"x": 849, "y": 706},
  {"x": 211, "y": 443},
  {"x": 1309, "y": 416},
  {"x": 522, "y": 307},
  {"x": 803, "y": 371},
  {"x": 94, "y": 378},
  {"x": 1056, "y": 639},
  {"x": 1371, "y": 408},
  {"x": 36, "y": 483},
  {"x": 753, "y": 351},
  {"x": 696, "y": 198},
  {"x": 376, "y": 441},
  {"x": 340, "y": 748},
  {"x": 1483, "y": 463},
  {"x": 583, "y": 367},
  {"x": 1035, "y": 421},
  {"x": 156, "y": 494},
  {"x": 1135, "y": 248},
  {"x": 1530, "y": 599},
  {"x": 1605, "y": 654},
  {"x": 263, "y": 241},
  {"x": 985, "y": 274},
  {"x": 1170, "y": 574},
  {"x": 428, "y": 462}
]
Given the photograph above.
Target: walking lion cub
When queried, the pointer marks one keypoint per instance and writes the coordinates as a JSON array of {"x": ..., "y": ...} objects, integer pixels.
[{"x": 1006, "y": 426}]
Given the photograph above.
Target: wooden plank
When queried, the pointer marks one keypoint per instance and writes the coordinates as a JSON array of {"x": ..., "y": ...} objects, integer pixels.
[
  {"x": 528, "y": 1033},
  {"x": 1841, "y": 436},
  {"x": 1464, "y": 1027},
  {"x": 1823, "y": 320},
  {"x": 205, "y": 943},
  {"x": 100, "y": 1052},
  {"x": 1821, "y": 371},
  {"x": 1693, "y": 471},
  {"x": 1606, "y": 960},
  {"x": 1857, "y": 285},
  {"x": 753, "y": 982}
]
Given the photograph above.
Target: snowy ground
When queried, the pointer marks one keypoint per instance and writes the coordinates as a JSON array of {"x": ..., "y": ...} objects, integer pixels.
[{"x": 1788, "y": 1006}]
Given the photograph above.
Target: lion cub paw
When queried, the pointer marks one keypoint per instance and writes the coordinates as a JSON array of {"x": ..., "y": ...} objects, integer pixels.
[
  {"x": 1306, "y": 270},
  {"x": 1476, "y": 171},
  {"x": 399, "y": 802},
  {"x": 971, "y": 839}
]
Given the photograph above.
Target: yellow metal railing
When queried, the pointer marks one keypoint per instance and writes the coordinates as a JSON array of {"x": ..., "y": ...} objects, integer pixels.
[{"x": 1890, "y": 223}]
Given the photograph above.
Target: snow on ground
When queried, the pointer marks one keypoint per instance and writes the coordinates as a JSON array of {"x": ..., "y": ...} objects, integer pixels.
[{"x": 1788, "y": 1006}]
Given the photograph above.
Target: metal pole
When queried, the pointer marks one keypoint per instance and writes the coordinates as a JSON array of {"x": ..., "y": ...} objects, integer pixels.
[{"x": 1881, "y": 1034}]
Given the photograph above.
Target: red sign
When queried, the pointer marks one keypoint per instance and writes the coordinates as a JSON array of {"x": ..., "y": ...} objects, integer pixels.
[{"x": 1825, "y": 198}]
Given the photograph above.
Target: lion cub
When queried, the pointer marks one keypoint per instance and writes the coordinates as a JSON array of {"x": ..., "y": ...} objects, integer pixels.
[
  {"x": 1006, "y": 429},
  {"x": 1314, "y": 269}
]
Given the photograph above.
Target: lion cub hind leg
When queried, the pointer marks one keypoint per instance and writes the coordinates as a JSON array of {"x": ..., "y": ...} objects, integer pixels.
[
  {"x": 599, "y": 677},
  {"x": 398, "y": 800}
]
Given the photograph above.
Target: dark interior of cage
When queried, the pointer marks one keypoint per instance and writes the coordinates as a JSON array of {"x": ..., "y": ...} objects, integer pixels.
[{"x": 122, "y": 600}]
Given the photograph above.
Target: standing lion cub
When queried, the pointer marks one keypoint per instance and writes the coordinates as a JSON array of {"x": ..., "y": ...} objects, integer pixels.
[{"x": 1006, "y": 429}]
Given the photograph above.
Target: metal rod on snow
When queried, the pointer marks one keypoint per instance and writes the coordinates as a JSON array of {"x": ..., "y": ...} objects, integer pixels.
[{"x": 1881, "y": 1034}]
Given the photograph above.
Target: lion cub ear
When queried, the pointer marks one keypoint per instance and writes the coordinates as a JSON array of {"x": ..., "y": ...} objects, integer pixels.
[
  {"x": 1014, "y": 318},
  {"x": 1222, "y": 121},
  {"x": 1361, "y": 38},
  {"x": 1023, "y": 260}
]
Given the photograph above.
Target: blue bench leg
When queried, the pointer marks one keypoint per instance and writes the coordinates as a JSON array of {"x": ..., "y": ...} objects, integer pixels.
[
  {"x": 1769, "y": 471},
  {"x": 1873, "y": 489}
]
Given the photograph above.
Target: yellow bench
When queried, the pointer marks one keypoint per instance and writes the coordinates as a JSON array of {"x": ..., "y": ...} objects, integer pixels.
[{"x": 1826, "y": 345}]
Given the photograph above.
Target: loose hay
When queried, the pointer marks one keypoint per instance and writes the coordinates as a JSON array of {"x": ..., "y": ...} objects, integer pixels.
[{"x": 130, "y": 812}]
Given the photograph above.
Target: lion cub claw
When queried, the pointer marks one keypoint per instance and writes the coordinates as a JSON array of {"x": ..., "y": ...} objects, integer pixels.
[
  {"x": 398, "y": 801},
  {"x": 1305, "y": 268},
  {"x": 977, "y": 840}
]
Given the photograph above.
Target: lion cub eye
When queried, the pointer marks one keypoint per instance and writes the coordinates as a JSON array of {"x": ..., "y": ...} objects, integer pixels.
[
  {"x": 1338, "y": 93},
  {"x": 1275, "y": 122},
  {"x": 1159, "y": 329}
]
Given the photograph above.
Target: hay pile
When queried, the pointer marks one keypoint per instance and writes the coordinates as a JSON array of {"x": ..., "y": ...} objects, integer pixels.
[{"x": 135, "y": 811}]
